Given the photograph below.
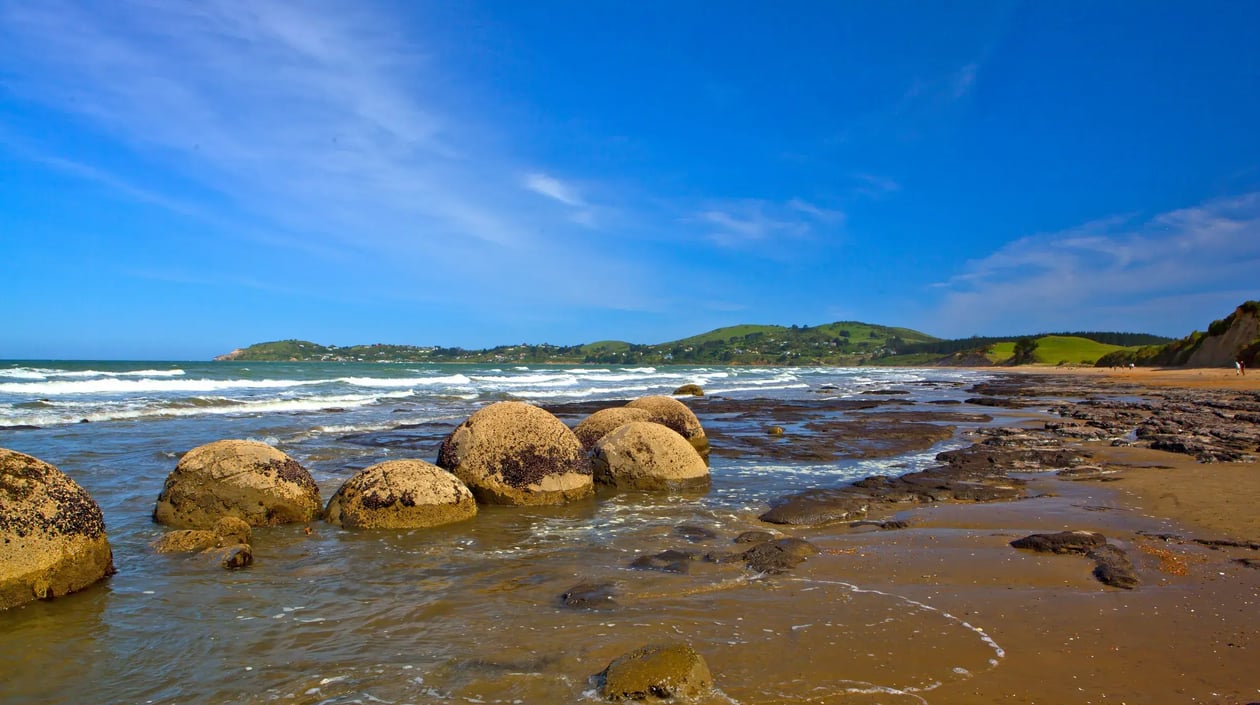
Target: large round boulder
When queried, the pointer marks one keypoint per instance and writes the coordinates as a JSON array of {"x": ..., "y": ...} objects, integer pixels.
[
  {"x": 52, "y": 533},
  {"x": 244, "y": 479},
  {"x": 642, "y": 455},
  {"x": 514, "y": 453},
  {"x": 400, "y": 494},
  {"x": 592, "y": 428},
  {"x": 668, "y": 411}
]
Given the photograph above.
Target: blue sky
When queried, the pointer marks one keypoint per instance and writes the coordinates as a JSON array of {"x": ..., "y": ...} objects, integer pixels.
[{"x": 181, "y": 178}]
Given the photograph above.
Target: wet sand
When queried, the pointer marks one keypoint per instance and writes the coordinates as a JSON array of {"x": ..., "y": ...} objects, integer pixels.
[{"x": 1190, "y": 633}]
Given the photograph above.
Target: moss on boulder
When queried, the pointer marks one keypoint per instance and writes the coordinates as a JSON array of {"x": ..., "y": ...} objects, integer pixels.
[
  {"x": 594, "y": 427},
  {"x": 400, "y": 494},
  {"x": 245, "y": 479},
  {"x": 517, "y": 454},
  {"x": 670, "y": 412},
  {"x": 52, "y": 533}
]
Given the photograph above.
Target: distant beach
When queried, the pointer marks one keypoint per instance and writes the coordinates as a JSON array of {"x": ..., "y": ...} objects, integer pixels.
[{"x": 940, "y": 609}]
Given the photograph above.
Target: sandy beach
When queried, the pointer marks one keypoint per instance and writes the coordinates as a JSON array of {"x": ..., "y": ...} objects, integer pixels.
[{"x": 1189, "y": 633}]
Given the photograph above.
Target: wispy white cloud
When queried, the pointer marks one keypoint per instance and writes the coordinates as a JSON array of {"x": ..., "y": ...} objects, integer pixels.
[
  {"x": 318, "y": 119},
  {"x": 754, "y": 221},
  {"x": 553, "y": 188},
  {"x": 1103, "y": 271},
  {"x": 874, "y": 185}
]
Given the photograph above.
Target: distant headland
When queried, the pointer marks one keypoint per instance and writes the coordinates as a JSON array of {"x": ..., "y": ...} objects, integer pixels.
[{"x": 843, "y": 343}]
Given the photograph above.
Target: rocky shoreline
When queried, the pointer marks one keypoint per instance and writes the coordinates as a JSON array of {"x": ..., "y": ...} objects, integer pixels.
[{"x": 1034, "y": 500}]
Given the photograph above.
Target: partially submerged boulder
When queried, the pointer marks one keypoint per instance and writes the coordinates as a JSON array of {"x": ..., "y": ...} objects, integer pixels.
[
  {"x": 228, "y": 531},
  {"x": 594, "y": 427},
  {"x": 641, "y": 455},
  {"x": 52, "y": 533},
  {"x": 656, "y": 673},
  {"x": 675, "y": 414},
  {"x": 693, "y": 390},
  {"x": 245, "y": 479},
  {"x": 400, "y": 494},
  {"x": 518, "y": 454}
]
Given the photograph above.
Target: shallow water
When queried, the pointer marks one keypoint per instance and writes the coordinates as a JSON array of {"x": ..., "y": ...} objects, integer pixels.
[{"x": 464, "y": 613}]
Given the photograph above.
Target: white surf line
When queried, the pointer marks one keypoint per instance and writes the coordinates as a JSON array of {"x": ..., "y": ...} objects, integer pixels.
[{"x": 998, "y": 652}]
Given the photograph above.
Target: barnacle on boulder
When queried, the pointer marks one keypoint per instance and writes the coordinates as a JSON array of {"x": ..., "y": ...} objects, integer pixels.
[{"x": 515, "y": 453}]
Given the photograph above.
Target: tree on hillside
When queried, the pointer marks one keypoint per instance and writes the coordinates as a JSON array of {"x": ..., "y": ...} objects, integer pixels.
[{"x": 1024, "y": 348}]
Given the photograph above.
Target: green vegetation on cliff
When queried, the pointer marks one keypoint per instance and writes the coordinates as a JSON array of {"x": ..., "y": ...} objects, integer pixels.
[{"x": 1237, "y": 336}]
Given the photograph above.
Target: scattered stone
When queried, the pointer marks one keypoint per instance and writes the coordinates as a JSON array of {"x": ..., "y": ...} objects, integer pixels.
[
  {"x": 233, "y": 530},
  {"x": 1112, "y": 567},
  {"x": 642, "y": 455},
  {"x": 233, "y": 557},
  {"x": 52, "y": 533},
  {"x": 589, "y": 596},
  {"x": 657, "y": 673},
  {"x": 1083, "y": 473},
  {"x": 778, "y": 556},
  {"x": 514, "y": 453},
  {"x": 1080, "y": 542},
  {"x": 775, "y": 431},
  {"x": 693, "y": 390},
  {"x": 246, "y": 479},
  {"x": 695, "y": 534},
  {"x": 187, "y": 541},
  {"x": 670, "y": 561},
  {"x": 400, "y": 494},
  {"x": 1228, "y": 543},
  {"x": 754, "y": 537},
  {"x": 887, "y": 525},
  {"x": 228, "y": 531}
]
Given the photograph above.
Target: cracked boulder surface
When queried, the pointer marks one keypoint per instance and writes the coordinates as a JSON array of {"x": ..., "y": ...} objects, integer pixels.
[
  {"x": 400, "y": 494},
  {"x": 52, "y": 533},
  {"x": 245, "y": 479},
  {"x": 515, "y": 453}
]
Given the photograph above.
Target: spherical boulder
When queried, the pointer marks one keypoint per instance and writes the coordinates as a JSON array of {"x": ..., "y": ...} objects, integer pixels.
[
  {"x": 675, "y": 414},
  {"x": 400, "y": 494},
  {"x": 658, "y": 673},
  {"x": 244, "y": 479},
  {"x": 592, "y": 428},
  {"x": 514, "y": 453},
  {"x": 693, "y": 390},
  {"x": 52, "y": 533},
  {"x": 642, "y": 455}
]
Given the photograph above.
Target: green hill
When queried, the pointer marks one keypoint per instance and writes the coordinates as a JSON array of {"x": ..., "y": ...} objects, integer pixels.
[
  {"x": 840, "y": 343},
  {"x": 1057, "y": 350}
]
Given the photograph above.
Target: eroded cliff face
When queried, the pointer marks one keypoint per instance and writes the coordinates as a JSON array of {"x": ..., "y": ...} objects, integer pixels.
[{"x": 1221, "y": 350}]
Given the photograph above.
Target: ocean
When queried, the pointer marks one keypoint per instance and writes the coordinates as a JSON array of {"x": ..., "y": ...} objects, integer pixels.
[{"x": 464, "y": 613}]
